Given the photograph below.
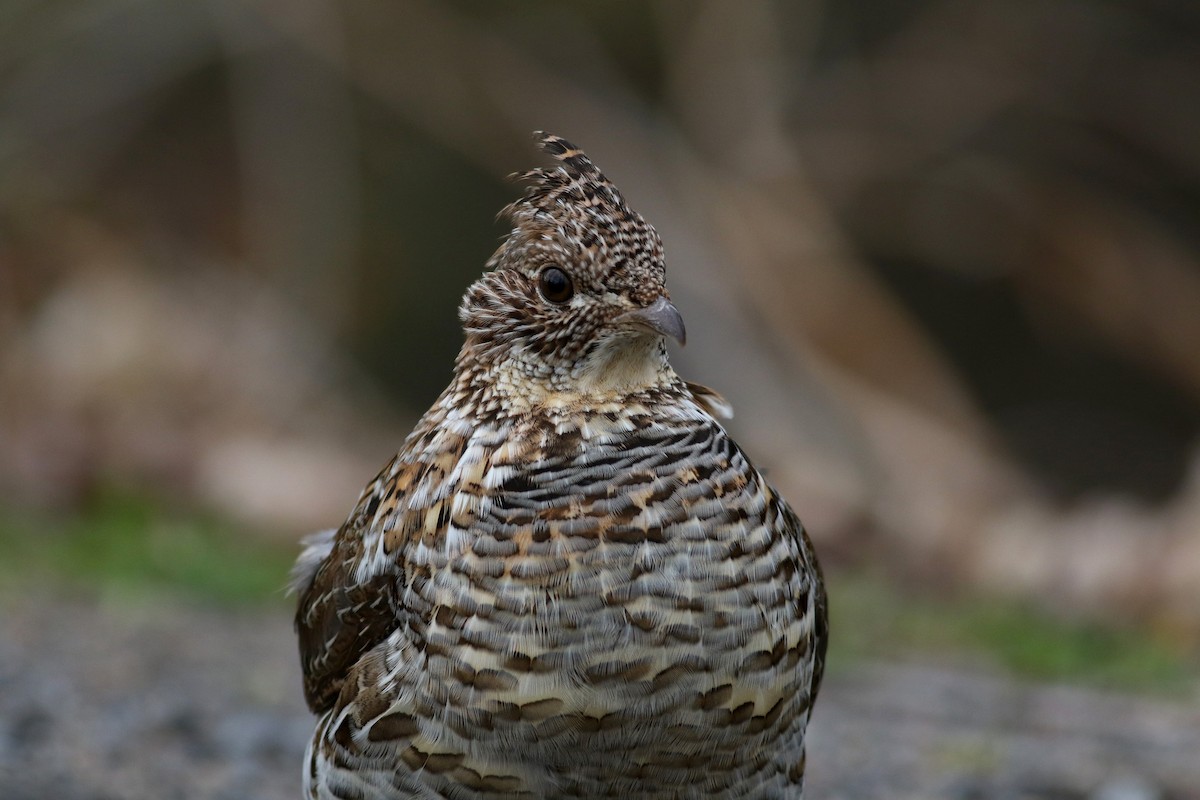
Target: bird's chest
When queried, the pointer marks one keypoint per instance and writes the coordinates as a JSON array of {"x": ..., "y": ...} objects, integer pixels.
[{"x": 645, "y": 588}]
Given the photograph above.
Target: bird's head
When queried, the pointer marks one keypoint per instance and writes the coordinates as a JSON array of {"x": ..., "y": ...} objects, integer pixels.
[{"x": 575, "y": 297}]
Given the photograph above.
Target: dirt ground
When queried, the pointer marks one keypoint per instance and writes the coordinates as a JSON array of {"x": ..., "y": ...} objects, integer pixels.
[{"x": 108, "y": 701}]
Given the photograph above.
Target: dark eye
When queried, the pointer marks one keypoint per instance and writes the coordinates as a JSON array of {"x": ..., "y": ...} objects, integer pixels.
[{"x": 555, "y": 285}]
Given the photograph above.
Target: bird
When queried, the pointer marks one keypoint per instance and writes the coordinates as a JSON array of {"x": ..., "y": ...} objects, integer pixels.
[{"x": 570, "y": 581}]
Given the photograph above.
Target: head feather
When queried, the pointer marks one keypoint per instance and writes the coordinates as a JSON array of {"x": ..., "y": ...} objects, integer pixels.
[
  {"x": 575, "y": 188},
  {"x": 573, "y": 218}
]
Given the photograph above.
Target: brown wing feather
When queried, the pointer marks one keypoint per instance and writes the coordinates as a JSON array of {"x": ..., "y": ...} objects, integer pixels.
[
  {"x": 340, "y": 617},
  {"x": 338, "y": 620}
]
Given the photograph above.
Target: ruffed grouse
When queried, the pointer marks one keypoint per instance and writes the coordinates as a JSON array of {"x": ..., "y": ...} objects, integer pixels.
[{"x": 570, "y": 582}]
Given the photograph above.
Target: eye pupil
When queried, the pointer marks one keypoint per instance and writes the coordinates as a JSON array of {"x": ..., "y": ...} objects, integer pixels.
[{"x": 555, "y": 285}]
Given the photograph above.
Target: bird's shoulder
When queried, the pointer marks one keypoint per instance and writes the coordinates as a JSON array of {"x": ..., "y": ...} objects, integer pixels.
[{"x": 348, "y": 581}]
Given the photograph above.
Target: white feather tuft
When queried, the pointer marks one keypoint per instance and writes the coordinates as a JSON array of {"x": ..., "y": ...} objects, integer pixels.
[{"x": 317, "y": 547}]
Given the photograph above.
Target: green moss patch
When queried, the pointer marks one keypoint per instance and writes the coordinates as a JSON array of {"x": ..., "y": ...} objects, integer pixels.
[
  {"x": 133, "y": 546},
  {"x": 871, "y": 618}
]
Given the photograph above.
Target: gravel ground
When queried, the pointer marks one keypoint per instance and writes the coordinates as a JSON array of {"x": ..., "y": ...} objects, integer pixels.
[{"x": 102, "y": 702}]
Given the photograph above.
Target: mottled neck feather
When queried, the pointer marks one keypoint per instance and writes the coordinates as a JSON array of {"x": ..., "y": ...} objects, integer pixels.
[{"x": 613, "y": 369}]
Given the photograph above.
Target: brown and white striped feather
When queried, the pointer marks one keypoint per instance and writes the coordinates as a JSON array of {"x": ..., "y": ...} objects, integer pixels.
[{"x": 626, "y": 587}]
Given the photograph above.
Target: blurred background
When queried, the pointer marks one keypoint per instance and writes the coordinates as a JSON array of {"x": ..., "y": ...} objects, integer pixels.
[{"x": 942, "y": 257}]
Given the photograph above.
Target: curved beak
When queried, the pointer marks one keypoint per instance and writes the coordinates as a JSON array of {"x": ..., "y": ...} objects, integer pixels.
[{"x": 661, "y": 317}]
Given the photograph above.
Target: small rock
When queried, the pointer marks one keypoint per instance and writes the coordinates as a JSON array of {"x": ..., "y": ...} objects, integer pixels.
[{"x": 30, "y": 728}]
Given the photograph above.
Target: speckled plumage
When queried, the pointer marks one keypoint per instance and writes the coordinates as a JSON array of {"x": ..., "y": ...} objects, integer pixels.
[{"x": 570, "y": 582}]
